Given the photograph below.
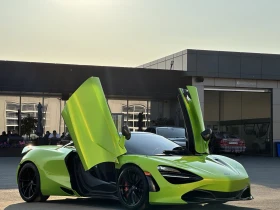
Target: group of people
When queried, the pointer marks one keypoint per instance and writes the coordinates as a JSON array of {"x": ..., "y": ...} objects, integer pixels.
[
  {"x": 11, "y": 139},
  {"x": 55, "y": 138}
]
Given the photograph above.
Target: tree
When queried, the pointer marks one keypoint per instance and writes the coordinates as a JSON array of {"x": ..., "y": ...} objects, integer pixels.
[{"x": 28, "y": 125}]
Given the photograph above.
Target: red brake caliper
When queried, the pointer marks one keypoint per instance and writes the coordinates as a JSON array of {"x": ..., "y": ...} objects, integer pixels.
[{"x": 126, "y": 188}]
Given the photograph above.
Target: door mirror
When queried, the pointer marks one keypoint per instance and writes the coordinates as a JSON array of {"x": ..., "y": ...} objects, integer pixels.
[
  {"x": 207, "y": 134},
  {"x": 126, "y": 132}
]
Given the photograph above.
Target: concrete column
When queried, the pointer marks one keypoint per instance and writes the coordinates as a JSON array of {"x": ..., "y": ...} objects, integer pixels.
[{"x": 275, "y": 117}]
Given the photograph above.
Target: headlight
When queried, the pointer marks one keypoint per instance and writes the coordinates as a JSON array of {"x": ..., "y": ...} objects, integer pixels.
[
  {"x": 178, "y": 176},
  {"x": 167, "y": 169}
]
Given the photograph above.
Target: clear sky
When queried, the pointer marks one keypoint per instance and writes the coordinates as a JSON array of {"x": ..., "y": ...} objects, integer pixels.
[{"x": 133, "y": 32}]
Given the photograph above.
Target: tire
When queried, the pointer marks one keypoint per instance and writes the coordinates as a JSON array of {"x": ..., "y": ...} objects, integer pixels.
[
  {"x": 29, "y": 184},
  {"x": 133, "y": 188}
]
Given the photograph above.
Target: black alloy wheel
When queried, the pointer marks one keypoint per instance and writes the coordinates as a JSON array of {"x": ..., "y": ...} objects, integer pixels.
[
  {"x": 133, "y": 188},
  {"x": 29, "y": 184}
]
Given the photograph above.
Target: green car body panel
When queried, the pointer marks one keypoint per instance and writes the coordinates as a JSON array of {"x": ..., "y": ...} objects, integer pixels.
[
  {"x": 96, "y": 140},
  {"x": 89, "y": 120},
  {"x": 230, "y": 177},
  {"x": 50, "y": 162},
  {"x": 216, "y": 177},
  {"x": 193, "y": 118}
]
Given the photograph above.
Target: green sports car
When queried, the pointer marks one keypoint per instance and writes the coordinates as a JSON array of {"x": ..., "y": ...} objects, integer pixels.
[{"x": 136, "y": 168}]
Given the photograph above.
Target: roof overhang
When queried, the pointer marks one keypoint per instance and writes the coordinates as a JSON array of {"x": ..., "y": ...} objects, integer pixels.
[{"x": 64, "y": 79}]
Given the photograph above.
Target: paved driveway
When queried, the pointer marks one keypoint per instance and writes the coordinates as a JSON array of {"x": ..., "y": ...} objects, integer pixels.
[{"x": 264, "y": 173}]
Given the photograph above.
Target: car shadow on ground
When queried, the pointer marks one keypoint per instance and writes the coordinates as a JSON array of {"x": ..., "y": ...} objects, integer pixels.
[{"x": 88, "y": 203}]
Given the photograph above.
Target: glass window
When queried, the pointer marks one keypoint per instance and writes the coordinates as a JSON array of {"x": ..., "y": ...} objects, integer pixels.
[
  {"x": 29, "y": 108},
  {"x": 52, "y": 114},
  {"x": 119, "y": 112},
  {"x": 134, "y": 109},
  {"x": 9, "y": 106},
  {"x": 9, "y": 122},
  {"x": 171, "y": 132},
  {"x": 148, "y": 144}
]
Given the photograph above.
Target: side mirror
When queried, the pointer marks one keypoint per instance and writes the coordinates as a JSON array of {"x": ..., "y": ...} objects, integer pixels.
[
  {"x": 207, "y": 134},
  {"x": 126, "y": 132}
]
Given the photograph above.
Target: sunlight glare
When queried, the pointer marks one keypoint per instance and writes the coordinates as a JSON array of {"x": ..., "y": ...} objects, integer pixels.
[{"x": 75, "y": 3}]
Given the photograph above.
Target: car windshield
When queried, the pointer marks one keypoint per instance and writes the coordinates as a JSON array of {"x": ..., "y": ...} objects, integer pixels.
[
  {"x": 148, "y": 144},
  {"x": 171, "y": 132}
]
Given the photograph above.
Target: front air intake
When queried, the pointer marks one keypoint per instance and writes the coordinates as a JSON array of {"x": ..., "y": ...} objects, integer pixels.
[
  {"x": 178, "y": 176},
  {"x": 198, "y": 196}
]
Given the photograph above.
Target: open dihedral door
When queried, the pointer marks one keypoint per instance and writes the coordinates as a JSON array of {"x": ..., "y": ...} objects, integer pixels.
[
  {"x": 89, "y": 120},
  {"x": 194, "y": 123}
]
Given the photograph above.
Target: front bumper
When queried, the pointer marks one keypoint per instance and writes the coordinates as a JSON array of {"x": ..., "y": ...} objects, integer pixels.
[
  {"x": 207, "y": 196},
  {"x": 205, "y": 191}
]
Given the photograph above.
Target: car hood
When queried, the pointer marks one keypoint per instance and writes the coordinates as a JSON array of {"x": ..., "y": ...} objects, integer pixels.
[{"x": 211, "y": 166}]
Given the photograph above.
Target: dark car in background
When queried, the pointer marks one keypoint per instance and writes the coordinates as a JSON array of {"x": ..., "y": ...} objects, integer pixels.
[
  {"x": 175, "y": 134},
  {"x": 224, "y": 142}
]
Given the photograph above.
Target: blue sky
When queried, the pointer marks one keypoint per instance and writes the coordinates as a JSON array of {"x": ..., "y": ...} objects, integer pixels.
[{"x": 133, "y": 32}]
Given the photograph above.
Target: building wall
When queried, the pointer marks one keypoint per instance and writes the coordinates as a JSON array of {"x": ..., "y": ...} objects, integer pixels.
[
  {"x": 179, "y": 61},
  {"x": 240, "y": 65},
  {"x": 232, "y": 100}
]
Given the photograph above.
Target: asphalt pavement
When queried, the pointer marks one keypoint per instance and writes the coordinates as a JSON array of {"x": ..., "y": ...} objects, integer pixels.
[{"x": 263, "y": 171}]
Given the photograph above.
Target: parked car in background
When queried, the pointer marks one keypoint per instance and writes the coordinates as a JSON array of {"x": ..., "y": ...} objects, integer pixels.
[
  {"x": 224, "y": 142},
  {"x": 175, "y": 134}
]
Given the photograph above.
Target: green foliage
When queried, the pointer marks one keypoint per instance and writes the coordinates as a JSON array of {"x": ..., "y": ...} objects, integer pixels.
[{"x": 28, "y": 125}]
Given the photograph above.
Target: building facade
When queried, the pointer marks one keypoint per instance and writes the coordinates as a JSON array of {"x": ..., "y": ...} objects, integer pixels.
[{"x": 239, "y": 92}]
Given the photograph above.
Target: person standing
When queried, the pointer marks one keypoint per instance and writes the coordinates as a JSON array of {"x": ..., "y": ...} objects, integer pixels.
[{"x": 140, "y": 121}]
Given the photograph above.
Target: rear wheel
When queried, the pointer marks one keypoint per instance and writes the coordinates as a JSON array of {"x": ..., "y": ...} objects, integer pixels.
[
  {"x": 133, "y": 189},
  {"x": 29, "y": 184}
]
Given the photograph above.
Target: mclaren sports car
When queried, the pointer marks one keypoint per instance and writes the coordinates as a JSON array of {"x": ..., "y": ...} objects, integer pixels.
[{"x": 138, "y": 169}]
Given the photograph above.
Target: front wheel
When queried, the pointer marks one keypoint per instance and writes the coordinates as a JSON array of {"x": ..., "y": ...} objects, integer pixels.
[
  {"x": 133, "y": 189},
  {"x": 29, "y": 184}
]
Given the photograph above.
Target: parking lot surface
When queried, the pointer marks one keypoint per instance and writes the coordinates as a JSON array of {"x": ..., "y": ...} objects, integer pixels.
[{"x": 263, "y": 171}]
